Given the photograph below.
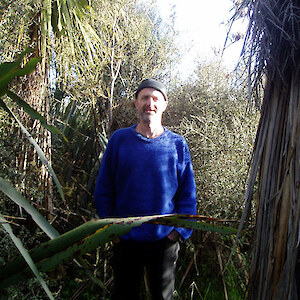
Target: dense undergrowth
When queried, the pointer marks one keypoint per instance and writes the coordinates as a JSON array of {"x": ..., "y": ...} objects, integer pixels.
[
  {"x": 208, "y": 110},
  {"x": 220, "y": 135}
]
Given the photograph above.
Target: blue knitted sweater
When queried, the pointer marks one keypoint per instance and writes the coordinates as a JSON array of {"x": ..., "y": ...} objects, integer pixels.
[{"x": 140, "y": 176}]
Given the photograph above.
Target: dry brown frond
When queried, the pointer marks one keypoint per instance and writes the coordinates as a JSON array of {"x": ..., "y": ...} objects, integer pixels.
[
  {"x": 272, "y": 41},
  {"x": 272, "y": 48}
]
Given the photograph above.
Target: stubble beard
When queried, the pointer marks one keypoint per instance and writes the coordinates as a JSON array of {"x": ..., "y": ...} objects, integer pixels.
[
  {"x": 146, "y": 118},
  {"x": 149, "y": 117}
]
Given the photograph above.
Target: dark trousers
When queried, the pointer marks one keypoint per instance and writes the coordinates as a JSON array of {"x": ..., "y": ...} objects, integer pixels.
[{"x": 131, "y": 258}]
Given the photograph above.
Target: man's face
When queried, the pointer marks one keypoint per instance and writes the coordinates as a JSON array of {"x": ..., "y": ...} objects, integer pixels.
[{"x": 150, "y": 104}]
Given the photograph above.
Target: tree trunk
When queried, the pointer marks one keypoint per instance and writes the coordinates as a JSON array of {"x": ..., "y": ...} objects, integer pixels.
[
  {"x": 276, "y": 243},
  {"x": 34, "y": 92}
]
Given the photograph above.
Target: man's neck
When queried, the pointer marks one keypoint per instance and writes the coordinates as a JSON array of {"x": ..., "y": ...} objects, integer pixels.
[{"x": 150, "y": 130}]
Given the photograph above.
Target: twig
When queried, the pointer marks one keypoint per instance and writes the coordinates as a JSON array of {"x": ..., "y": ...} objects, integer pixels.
[
  {"x": 221, "y": 268},
  {"x": 189, "y": 267}
]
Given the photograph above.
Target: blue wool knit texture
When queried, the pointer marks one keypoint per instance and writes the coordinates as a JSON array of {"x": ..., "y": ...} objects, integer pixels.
[{"x": 140, "y": 176}]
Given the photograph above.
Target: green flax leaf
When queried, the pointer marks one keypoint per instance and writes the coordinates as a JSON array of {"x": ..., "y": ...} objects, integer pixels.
[
  {"x": 10, "y": 70},
  {"x": 181, "y": 221},
  {"x": 39, "y": 151},
  {"x": 33, "y": 113},
  {"x": 28, "y": 259},
  {"x": 15, "y": 196},
  {"x": 88, "y": 237},
  {"x": 28, "y": 68}
]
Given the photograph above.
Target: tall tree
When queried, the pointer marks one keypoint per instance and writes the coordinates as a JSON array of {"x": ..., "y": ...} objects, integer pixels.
[{"x": 273, "y": 56}]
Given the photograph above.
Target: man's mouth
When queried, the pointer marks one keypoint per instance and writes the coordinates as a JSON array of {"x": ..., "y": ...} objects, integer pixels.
[{"x": 149, "y": 110}]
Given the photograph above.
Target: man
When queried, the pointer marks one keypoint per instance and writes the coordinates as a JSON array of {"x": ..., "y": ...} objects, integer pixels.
[{"x": 146, "y": 170}]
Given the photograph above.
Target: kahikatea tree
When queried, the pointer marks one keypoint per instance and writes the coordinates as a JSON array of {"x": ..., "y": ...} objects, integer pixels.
[{"x": 273, "y": 55}]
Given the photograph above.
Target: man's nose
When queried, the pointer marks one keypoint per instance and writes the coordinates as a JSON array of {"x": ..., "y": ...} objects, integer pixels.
[{"x": 150, "y": 100}]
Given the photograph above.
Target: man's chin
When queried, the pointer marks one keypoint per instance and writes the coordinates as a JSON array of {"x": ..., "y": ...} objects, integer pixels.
[{"x": 148, "y": 117}]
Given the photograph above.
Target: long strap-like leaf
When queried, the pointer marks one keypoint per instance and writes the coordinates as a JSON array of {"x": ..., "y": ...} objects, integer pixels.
[
  {"x": 33, "y": 113},
  {"x": 14, "y": 195},
  {"x": 39, "y": 151},
  {"x": 88, "y": 237},
  {"x": 27, "y": 258}
]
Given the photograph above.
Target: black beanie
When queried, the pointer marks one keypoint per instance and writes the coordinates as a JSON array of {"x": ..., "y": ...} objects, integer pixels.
[{"x": 151, "y": 83}]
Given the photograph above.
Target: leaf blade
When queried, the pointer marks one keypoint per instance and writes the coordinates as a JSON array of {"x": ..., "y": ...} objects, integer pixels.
[
  {"x": 15, "y": 196},
  {"x": 33, "y": 113},
  {"x": 86, "y": 238},
  {"x": 28, "y": 259},
  {"x": 39, "y": 151}
]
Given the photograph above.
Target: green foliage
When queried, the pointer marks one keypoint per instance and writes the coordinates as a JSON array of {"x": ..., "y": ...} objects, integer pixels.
[
  {"x": 94, "y": 83},
  {"x": 27, "y": 258},
  {"x": 127, "y": 42},
  {"x": 86, "y": 238},
  {"x": 8, "y": 145},
  {"x": 203, "y": 278},
  {"x": 16, "y": 32},
  {"x": 133, "y": 46},
  {"x": 10, "y": 70},
  {"x": 33, "y": 113},
  {"x": 212, "y": 114},
  {"x": 15, "y": 196}
]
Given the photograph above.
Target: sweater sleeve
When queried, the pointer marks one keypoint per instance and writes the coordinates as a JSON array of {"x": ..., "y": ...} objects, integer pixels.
[
  {"x": 104, "y": 191},
  {"x": 186, "y": 194}
]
